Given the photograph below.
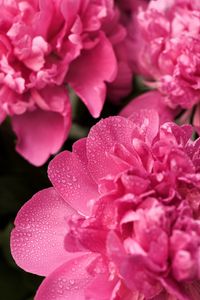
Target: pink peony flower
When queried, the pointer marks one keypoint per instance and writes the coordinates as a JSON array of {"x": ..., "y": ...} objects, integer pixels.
[
  {"x": 45, "y": 45},
  {"x": 167, "y": 48},
  {"x": 121, "y": 221}
]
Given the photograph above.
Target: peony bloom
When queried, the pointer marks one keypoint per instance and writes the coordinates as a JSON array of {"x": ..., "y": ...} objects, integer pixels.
[
  {"x": 121, "y": 221},
  {"x": 45, "y": 45},
  {"x": 167, "y": 43}
]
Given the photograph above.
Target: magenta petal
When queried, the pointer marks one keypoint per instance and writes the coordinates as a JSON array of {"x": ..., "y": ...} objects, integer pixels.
[
  {"x": 40, "y": 134},
  {"x": 150, "y": 100},
  {"x": 101, "y": 139},
  {"x": 71, "y": 179},
  {"x": 67, "y": 282},
  {"x": 37, "y": 241},
  {"x": 95, "y": 67}
]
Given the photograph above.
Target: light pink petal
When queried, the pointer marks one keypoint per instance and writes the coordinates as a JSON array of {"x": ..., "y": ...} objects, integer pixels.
[
  {"x": 101, "y": 139},
  {"x": 37, "y": 241},
  {"x": 67, "y": 282},
  {"x": 150, "y": 100},
  {"x": 40, "y": 134},
  {"x": 148, "y": 121},
  {"x": 71, "y": 179},
  {"x": 90, "y": 71}
]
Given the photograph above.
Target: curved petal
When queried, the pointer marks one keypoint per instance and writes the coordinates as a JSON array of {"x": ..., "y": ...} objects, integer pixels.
[
  {"x": 101, "y": 139},
  {"x": 106, "y": 287},
  {"x": 150, "y": 100},
  {"x": 69, "y": 10},
  {"x": 79, "y": 148},
  {"x": 148, "y": 121},
  {"x": 41, "y": 132},
  {"x": 71, "y": 179},
  {"x": 68, "y": 281},
  {"x": 37, "y": 241},
  {"x": 90, "y": 71}
]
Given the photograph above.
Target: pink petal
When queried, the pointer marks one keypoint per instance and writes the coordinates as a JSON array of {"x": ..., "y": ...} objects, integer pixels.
[
  {"x": 105, "y": 285},
  {"x": 148, "y": 121},
  {"x": 131, "y": 268},
  {"x": 37, "y": 241},
  {"x": 69, "y": 10},
  {"x": 101, "y": 139},
  {"x": 90, "y": 71},
  {"x": 40, "y": 134},
  {"x": 67, "y": 282},
  {"x": 71, "y": 179},
  {"x": 150, "y": 100},
  {"x": 79, "y": 148}
]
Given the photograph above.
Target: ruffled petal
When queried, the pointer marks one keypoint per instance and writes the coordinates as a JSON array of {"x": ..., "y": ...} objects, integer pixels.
[{"x": 101, "y": 139}]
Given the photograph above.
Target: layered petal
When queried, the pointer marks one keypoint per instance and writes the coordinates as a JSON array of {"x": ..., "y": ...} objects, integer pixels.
[
  {"x": 166, "y": 45},
  {"x": 101, "y": 139}
]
